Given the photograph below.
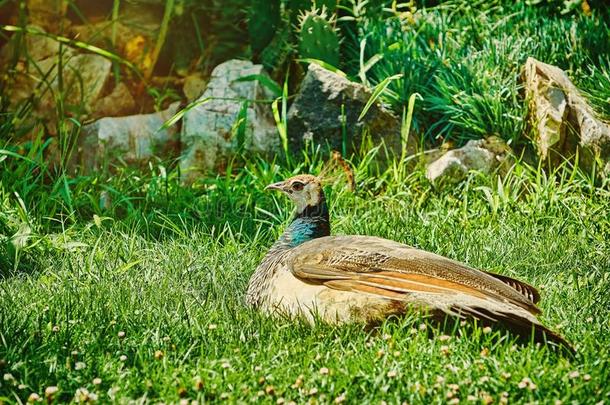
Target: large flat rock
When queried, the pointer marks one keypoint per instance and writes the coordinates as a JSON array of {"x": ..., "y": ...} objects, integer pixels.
[
  {"x": 564, "y": 123},
  {"x": 232, "y": 121}
]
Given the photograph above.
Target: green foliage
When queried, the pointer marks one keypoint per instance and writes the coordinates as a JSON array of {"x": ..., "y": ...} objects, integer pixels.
[
  {"x": 465, "y": 59},
  {"x": 83, "y": 257},
  {"x": 263, "y": 21},
  {"x": 318, "y": 39},
  {"x": 277, "y": 54},
  {"x": 597, "y": 86},
  {"x": 176, "y": 284}
]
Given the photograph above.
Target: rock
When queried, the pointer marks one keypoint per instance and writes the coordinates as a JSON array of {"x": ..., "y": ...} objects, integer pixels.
[
  {"x": 35, "y": 47},
  {"x": 209, "y": 131},
  {"x": 84, "y": 77},
  {"x": 133, "y": 139},
  {"x": 194, "y": 86},
  {"x": 316, "y": 113},
  {"x": 119, "y": 102},
  {"x": 47, "y": 14},
  {"x": 563, "y": 121},
  {"x": 484, "y": 155},
  {"x": 135, "y": 29}
]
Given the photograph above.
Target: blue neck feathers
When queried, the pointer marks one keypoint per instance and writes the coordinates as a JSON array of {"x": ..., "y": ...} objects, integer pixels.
[{"x": 313, "y": 222}]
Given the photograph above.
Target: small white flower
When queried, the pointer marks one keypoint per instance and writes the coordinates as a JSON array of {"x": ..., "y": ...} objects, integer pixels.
[
  {"x": 81, "y": 395},
  {"x": 80, "y": 365},
  {"x": 50, "y": 391}
]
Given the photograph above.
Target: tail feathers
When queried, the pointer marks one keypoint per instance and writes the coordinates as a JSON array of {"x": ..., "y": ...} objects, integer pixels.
[{"x": 522, "y": 326}]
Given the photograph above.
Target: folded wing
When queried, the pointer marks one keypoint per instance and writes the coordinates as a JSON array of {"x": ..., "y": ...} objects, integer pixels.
[{"x": 388, "y": 269}]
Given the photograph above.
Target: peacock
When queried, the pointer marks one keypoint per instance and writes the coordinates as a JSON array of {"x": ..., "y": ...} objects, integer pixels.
[{"x": 344, "y": 279}]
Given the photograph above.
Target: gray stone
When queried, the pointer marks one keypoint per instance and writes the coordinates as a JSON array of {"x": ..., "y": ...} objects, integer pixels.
[
  {"x": 84, "y": 78},
  {"x": 133, "y": 139},
  {"x": 194, "y": 86},
  {"x": 47, "y": 14},
  {"x": 316, "y": 113},
  {"x": 118, "y": 103},
  {"x": 208, "y": 130},
  {"x": 35, "y": 46},
  {"x": 484, "y": 155},
  {"x": 564, "y": 123},
  {"x": 135, "y": 29}
]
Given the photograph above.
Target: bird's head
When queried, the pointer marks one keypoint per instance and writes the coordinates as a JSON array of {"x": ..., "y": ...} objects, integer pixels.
[{"x": 304, "y": 190}]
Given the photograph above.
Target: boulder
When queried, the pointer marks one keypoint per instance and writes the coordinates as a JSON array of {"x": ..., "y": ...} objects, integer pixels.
[
  {"x": 564, "y": 123},
  {"x": 118, "y": 103},
  {"x": 194, "y": 86},
  {"x": 317, "y": 113},
  {"x": 84, "y": 77},
  {"x": 230, "y": 121},
  {"x": 135, "y": 30},
  {"x": 47, "y": 14},
  {"x": 134, "y": 139},
  {"x": 483, "y": 155}
]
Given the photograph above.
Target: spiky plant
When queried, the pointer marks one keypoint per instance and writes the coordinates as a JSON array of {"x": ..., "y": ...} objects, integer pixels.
[{"x": 318, "y": 38}]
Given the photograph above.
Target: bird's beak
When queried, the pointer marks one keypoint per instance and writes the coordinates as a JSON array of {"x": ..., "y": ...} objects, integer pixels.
[{"x": 276, "y": 186}]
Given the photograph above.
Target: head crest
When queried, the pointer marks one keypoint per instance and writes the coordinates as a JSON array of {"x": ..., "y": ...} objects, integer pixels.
[{"x": 336, "y": 162}]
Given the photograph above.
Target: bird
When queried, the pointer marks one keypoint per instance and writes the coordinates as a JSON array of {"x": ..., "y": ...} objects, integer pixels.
[{"x": 337, "y": 279}]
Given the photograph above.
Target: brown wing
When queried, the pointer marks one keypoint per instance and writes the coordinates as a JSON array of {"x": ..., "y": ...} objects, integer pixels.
[
  {"x": 388, "y": 269},
  {"x": 391, "y": 267}
]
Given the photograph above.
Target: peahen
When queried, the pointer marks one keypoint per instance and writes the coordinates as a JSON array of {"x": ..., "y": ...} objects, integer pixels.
[{"x": 341, "y": 279}]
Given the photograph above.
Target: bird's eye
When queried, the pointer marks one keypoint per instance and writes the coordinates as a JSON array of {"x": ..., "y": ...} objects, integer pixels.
[{"x": 297, "y": 186}]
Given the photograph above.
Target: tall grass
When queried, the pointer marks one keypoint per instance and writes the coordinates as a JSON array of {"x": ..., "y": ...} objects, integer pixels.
[{"x": 465, "y": 59}]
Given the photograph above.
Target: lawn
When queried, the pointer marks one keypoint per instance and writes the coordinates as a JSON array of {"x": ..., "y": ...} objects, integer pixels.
[
  {"x": 126, "y": 285},
  {"x": 153, "y": 310}
]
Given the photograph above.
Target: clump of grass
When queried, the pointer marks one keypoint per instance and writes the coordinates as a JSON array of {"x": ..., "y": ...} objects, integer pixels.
[
  {"x": 124, "y": 284},
  {"x": 465, "y": 59},
  {"x": 152, "y": 316}
]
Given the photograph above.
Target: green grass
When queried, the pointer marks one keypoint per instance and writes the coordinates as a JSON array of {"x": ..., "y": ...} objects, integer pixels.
[
  {"x": 466, "y": 59},
  {"x": 86, "y": 256},
  {"x": 180, "y": 290}
]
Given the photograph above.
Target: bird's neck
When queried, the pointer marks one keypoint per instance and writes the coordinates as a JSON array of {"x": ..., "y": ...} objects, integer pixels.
[{"x": 310, "y": 223}]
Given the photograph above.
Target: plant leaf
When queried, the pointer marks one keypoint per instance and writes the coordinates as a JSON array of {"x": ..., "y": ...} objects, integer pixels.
[
  {"x": 376, "y": 93},
  {"x": 264, "y": 80}
]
